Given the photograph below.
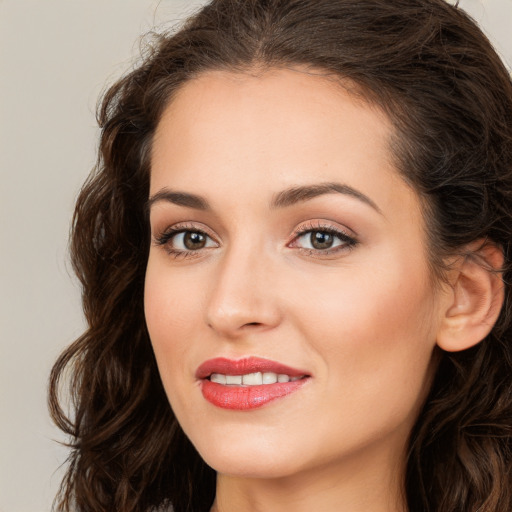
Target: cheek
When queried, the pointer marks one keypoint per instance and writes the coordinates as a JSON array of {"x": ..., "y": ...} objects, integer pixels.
[
  {"x": 171, "y": 309},
  {"x": 374, "y": 333}
]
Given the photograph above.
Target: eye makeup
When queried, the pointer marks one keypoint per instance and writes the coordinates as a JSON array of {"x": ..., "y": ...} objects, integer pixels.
[
  {"x": 185, "y": 240},
  {"x": 319, "y": 239}
]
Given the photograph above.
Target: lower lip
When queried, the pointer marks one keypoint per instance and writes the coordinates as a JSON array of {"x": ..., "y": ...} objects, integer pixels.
[{"x": 243, "y": 398}]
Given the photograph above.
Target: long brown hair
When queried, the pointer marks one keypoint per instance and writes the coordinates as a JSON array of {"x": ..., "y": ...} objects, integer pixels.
[{"x": 428, "y": 66}]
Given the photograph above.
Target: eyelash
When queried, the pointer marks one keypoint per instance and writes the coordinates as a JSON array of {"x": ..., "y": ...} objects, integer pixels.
[
  {"x": 166, "y": 236},
  {"x": 347, "y": 242}
]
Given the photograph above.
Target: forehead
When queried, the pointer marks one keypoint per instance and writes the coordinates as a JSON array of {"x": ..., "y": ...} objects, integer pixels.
[
  {"x": 270, "y": 105},
  {"x": 265, "y": 132}
]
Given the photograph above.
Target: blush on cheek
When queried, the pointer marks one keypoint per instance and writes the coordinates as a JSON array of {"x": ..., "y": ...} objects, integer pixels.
[{"x": 381, "y": 333}]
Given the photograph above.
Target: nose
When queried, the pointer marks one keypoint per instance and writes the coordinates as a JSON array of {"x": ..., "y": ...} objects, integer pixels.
[{"x": 243, "y": 297}]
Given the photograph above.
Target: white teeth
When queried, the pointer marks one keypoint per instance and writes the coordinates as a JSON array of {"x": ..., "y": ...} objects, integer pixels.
[
  {"x": 269, "y": 378},
  {"x": 234, "y": 379},
  {"x": 252, "y": 379},
  {"x": 218, "y": 378}
]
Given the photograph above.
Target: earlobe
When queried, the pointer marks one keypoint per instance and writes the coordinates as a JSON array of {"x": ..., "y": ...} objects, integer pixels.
[{"x": 476, "y": 298}]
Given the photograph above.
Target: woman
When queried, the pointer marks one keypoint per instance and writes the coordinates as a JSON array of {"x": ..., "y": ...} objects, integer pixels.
[{"x": 295, "y": 256}]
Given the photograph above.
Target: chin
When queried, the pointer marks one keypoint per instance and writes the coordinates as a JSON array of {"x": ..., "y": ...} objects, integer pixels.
[
  {"x": 251, "y": 466},
  {"x": 254, "y": 456}
]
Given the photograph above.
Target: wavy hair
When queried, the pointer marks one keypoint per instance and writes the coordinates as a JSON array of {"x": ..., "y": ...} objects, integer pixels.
[{"x": 428, "y": 66}]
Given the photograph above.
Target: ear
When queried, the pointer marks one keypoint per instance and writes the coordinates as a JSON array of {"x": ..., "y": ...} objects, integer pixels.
[{"x": 477, "y": 293}]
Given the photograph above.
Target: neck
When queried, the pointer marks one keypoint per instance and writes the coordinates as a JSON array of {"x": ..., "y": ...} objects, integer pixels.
[{"x": 358, "y": 487}]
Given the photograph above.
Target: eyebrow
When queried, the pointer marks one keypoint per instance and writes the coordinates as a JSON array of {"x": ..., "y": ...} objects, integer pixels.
[
  {"x": 282, "y": 199},
  {"x": 295, "y": 195},
  {"x": 179, "y": 198}
]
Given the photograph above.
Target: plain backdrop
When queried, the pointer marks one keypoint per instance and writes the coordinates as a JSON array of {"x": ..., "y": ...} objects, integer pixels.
[{"x": 56, "y": 56}]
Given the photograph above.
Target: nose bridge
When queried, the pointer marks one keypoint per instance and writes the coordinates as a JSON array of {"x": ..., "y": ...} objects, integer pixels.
[{"x": 242, "y": 294}]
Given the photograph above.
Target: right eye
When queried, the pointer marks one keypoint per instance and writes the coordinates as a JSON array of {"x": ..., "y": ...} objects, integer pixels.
[
  {"x": 184, "y": 242},
  {"x": 191, "y": 241}
]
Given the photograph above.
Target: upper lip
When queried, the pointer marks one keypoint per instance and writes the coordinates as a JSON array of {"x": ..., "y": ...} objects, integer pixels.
[{"x": 244, "y": 366}]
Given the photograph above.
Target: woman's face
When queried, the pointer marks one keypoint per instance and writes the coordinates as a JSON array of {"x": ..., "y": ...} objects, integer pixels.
[{"x": 285, "y": 246}]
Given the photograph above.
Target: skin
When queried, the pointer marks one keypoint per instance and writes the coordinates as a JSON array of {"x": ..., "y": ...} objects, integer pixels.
[{"x": 361, "y": 320}]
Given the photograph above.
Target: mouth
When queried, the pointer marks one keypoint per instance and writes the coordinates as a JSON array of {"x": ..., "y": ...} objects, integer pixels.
[
  {"x": 247, "y": 383},
  {"x": 252, "y": 379}
]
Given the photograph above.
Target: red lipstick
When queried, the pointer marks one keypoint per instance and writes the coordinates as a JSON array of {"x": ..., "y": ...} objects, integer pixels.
[{"x": 244, "y": 397}]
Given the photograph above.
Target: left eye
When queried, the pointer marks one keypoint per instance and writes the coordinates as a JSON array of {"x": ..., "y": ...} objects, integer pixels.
[
  {"x": 191, "y": 241},
  {"x": 320, "y": 240}
]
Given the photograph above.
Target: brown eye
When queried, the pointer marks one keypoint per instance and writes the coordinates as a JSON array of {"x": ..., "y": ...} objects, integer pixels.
[
  {"x": 183, "y": 241},
  {"x": 194, "y": 240},
  {"x": 321, "y": 240}
]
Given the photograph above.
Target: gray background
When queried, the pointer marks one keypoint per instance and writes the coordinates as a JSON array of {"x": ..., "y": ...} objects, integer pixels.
[{"x": 55, "y": 58}]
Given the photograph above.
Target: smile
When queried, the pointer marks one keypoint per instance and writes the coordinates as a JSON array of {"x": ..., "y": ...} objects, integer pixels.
[
  {"x": 252, "y": 379},
  {"x": 247, "y": 383}
]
